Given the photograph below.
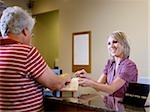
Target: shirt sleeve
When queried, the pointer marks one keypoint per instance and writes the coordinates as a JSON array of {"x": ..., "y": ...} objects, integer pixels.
[
  {"x": 35, "y": 63},
  {"x": 128, "y": 72},
  {"x": 105, "y": 70}
]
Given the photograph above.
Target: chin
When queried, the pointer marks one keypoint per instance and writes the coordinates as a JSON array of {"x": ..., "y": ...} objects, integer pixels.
[{"x": 113, "y": 54}]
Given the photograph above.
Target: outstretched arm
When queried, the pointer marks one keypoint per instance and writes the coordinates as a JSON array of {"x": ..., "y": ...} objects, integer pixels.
[
  {"x": 116, "y": 84},
  {"x": 52, "y": 81}
]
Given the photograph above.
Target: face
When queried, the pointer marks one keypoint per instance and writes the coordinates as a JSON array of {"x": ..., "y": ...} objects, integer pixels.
[{"x": 115, "y": 48}]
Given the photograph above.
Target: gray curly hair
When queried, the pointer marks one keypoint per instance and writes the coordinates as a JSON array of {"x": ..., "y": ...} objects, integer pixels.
[{"x": 15, "y": 19}]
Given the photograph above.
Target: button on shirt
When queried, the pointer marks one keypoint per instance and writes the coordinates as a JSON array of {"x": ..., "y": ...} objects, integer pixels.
[{"x": 127, "y": 71}]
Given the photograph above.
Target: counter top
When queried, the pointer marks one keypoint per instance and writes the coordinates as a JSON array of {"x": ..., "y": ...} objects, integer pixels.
[{"x": 90, "y": 103}]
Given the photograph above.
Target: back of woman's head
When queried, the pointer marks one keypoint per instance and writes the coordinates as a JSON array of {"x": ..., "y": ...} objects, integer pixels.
[
  {"x": 14, "y": 20},
  {"x": 122, "y": 39}
]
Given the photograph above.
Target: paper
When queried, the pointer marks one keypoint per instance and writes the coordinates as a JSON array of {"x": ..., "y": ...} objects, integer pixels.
[{"x": 72, "y": 86}]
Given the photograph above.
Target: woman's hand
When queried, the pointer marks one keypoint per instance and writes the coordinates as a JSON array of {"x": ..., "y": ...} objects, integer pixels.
[
  {"x": 85, "y": 82},
  {"x": 82, "y": 74}
]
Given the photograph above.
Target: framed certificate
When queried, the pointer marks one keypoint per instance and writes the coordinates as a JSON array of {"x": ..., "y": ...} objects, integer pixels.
[{"x": 81, "y": 51}]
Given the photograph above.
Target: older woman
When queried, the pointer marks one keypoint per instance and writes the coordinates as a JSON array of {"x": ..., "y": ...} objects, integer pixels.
[
  {"x": 23, "y": 71},
  {"x": 119, "y": 70}
]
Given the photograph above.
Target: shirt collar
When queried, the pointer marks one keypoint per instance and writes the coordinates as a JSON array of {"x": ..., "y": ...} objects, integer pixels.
[
  {"x": 8, "y": 41},
  {"x": 122, "y": 60}
]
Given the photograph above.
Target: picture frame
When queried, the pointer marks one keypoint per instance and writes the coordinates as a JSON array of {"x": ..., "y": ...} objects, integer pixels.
[{"x": 81, "y": 51}]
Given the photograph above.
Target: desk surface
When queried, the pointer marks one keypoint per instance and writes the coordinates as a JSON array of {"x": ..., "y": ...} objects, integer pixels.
[{"x": 96, "y": 102}]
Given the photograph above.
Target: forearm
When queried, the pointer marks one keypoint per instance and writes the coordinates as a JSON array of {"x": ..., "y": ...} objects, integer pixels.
[
  {"x": 102, "y": 87},
  {"x": 61, "y": 81},
  {"x": 102, "y": 79},
  {"x": 52, "y": 81},
  {"x": 64, "y": 78}
]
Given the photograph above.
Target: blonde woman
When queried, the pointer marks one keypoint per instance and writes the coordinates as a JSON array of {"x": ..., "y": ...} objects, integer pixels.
[{"x": 119, "y": 70}]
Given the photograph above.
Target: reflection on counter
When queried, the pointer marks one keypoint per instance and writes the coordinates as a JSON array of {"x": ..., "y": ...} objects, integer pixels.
[{"x": 90, "y": 103}]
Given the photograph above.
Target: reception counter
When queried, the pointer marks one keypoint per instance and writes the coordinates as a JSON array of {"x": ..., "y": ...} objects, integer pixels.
[{"x": 90, "y": 103}]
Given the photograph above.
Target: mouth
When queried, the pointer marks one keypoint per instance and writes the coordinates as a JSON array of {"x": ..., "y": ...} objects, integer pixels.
[{"x": 113, "y": 50}]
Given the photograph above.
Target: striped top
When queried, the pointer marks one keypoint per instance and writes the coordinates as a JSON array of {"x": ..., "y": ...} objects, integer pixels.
[{"x": 20, "y": 65}]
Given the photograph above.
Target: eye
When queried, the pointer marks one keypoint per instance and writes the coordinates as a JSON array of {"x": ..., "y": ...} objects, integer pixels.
[
  {"x": 108, "y": 43},
  {"x": 115, "y": 41}
]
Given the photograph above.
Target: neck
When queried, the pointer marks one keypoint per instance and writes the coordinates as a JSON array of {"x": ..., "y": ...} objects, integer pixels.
[
  {"x": 118, "y": 59},
  {"x": 15, "y": 37}
]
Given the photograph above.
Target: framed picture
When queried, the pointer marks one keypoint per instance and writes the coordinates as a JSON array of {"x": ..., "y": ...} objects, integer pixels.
[{"x": 81, "y": 51}]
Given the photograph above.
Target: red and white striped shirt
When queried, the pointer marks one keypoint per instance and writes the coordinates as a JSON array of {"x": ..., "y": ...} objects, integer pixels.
[{"x": 20, "y": 65}]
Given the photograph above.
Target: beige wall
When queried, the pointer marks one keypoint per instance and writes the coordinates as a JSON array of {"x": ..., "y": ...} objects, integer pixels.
[
  {"x": 45, "y": 37},
  {"x": 101, "y": 17},
  {"x": 42, "y": 6},
  {"x": 21, "y": 3},
  {"x": 148, "y": 42}
]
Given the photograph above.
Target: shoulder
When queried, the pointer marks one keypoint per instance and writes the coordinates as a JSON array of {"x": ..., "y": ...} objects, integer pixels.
[
  {"x": 110, "y": 61},
  {"x": 128, "y": 65},
  {"x": 27, "y": 49},
  {"x": 128, "y": 62},
  {"x": 23, "y": 46},
  {"x": 128, "y": 70}
]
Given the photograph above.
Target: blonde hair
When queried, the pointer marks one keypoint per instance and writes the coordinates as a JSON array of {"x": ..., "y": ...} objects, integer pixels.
[{"x": 122, "y": 39}]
